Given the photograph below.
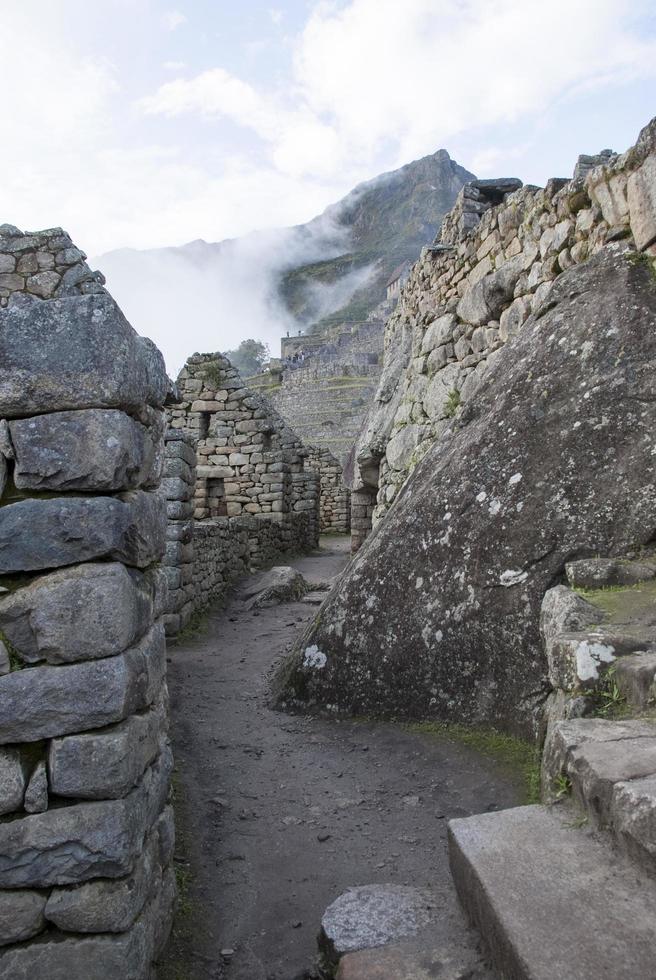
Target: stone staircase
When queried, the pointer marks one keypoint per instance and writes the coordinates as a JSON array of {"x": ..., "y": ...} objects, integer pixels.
[{"x": 568, "y": 889}]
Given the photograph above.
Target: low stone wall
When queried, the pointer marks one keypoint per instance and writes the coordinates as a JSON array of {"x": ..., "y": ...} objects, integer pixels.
[
  {"x": 501, "y": 249},
  {"x": 334, "y": 496},
  {"x": 86, "y": 843}
]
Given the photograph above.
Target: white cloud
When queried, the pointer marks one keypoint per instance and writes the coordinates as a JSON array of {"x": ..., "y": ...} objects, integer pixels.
[
  {"x": 378, "y": 75},
  {"x": 276, "y": 15},
  {"x": 173, "y": 19},
  {"x": 173, "y": 65}
]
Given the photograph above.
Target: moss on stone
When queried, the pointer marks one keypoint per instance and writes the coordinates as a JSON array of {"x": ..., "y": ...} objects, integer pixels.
[
  {"x": 515, "y": 754},
  {"x": 622, "y": 603}
]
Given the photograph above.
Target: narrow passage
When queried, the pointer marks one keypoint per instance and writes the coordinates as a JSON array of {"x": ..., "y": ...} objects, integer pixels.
[{"x": 278, "y": 814}]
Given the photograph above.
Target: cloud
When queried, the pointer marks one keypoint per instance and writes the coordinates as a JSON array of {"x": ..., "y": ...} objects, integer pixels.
[
  {"x": 376, "y": 75},
  {"x": 174, "y": 65},
  {"x": 173, "y": 19}
]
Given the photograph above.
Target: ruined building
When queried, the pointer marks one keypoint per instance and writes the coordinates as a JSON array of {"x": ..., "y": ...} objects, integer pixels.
[{"x": 240, "y": 488}]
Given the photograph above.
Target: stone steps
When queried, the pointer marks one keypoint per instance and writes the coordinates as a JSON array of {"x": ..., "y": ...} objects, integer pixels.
[
  {"x": 610, "y": 767},
  {"x": 552, "y": 898}
]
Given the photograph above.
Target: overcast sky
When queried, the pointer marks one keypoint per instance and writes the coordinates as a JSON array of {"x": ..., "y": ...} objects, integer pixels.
[{"x": 144, "y": 123}]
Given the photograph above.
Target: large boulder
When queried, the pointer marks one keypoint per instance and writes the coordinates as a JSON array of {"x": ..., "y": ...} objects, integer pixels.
[
  {"x": 438, "y": 615},
  {"x": 77, "y": 352}
]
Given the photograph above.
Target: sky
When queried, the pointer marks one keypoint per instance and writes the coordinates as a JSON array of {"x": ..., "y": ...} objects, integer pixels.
[{"x": 144, "y": 123}]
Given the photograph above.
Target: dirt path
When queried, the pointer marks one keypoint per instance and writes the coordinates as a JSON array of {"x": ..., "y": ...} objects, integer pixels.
[{"x": 279, "y": 814}]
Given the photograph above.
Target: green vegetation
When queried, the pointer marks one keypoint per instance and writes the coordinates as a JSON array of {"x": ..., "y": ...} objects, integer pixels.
[
  {"x": 608, "y": 700},
  {"x": 562, "y": 786},
  {"x": 641, "y": 258},
  {"x": 452, "y": 403},
  {"x": 387, "y": 222},
  {"x": 516, "y": 754},
  {"x": 250, "y": 357},
  {"x": 622, "y": 603}
]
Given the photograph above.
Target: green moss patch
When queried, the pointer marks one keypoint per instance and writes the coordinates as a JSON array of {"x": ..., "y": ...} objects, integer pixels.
[{"x": 520, "y": 757}]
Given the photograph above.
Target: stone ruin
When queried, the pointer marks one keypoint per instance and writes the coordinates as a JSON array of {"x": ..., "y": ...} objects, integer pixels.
[
  {"x": 86, "y": 837},
  {"x": 241, "y": 488},
  {"x": 512, "y": 432}
]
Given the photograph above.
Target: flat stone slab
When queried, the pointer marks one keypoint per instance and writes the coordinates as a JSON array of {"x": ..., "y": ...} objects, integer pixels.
[
  {"x": 373, "y": 915},
  {"x": 551, "y": 899}
]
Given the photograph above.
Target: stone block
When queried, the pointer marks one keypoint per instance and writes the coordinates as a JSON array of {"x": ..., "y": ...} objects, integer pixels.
[
  {"x": 641, "y": 196},
  {"x": 107, "y": 905},
  {"x": 46, "y": 702},
  {"x": 36, "y": 534},
  {"x": 21, "y": 915},
  {"x": 36, "y": 794},
  {"x": 93, "y": 449},
  {"x": 70, "y": 845},
  {"x": 106, "y": 764},
  {"x": 75, "y": 352},
  {"x": 43, "y": 284},
  {"x": 14, "y": 775},
  {"x": 81, "y": 613}
]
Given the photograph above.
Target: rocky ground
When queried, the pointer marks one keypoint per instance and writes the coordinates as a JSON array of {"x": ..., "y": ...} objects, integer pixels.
[{"x": 278, "y": 814}]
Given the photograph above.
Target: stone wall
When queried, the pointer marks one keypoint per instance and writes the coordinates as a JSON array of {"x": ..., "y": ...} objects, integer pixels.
[
  {"x": 500, "y": 250},
  {"x": 334, "y": 496},
  {"x": 43, "y": 263},
  {"x": 250, "y": 497},
  {"x": 86, "y": 840},
  {"x": 326, "y": 397},
  {"x": 178, "y": 486}
]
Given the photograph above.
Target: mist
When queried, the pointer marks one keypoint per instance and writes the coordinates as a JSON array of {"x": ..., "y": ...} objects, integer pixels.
[{"x": 208, "y": 297}]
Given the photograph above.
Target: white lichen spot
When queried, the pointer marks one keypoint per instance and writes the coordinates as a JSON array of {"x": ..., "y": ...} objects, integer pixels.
[
  {"x": 419, "y": 582},
  {"x": 481, "y": 497},
  {"x": 314, "y": 657},
  {"x": 447, "y": 516},
  {"x": 519, "y": 507},
  {"x": 513, "y": 576},
  {"x": 515, "y": 478},
  {"x": 589, "y": 655},
  {"x": 494, "y": 508},
  {"x": 439, "y": 635}
]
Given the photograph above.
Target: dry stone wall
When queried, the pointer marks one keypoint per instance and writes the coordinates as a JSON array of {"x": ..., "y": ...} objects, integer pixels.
[
  {"x": 334, "y": 496},
  {"x": 86, "y": 836},
  {"x": 501, "y": 249},
  {"x": 326, "y": 396},
  {"x": 239, "y": 492}
]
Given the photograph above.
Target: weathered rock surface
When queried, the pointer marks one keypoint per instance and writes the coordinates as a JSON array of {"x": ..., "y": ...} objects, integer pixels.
[
  {"x": 38, "y": 534},
  {"x": 69, "y": 845},
  {"x": 21, "y": 915},
  {"x": 36, "y": 794},
  {"x": 106, "y": 905},
  {"x": 598, "y": 573},
  {"x": 14, "y": 774},
  {"x": 279, "y": 584},
  {"x": 77, "y": 352},
  {"x": 93, "y": 449},
  {"x": 373, "y": 915},
  {"x": 83, "y": 613},
  {"x": 550, "y": 462},
  {"x": 527, "y": 875},
  {"x": 45, "y": 702},
  {"x": 105, "y": 764}
]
